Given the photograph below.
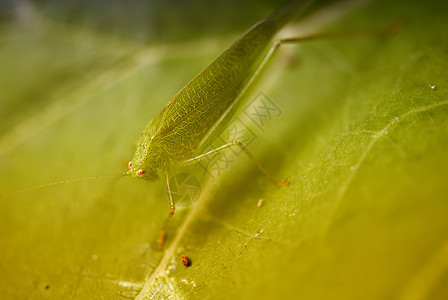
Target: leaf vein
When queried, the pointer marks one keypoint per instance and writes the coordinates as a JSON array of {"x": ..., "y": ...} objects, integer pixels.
[{"x": 380, "y": 134}]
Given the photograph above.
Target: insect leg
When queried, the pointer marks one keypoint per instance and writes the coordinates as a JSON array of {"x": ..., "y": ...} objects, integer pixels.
[
  {"x": 167, "y": 179},
  {"x": 245, "y": 150},
  {"x": 385, "y": 30}
]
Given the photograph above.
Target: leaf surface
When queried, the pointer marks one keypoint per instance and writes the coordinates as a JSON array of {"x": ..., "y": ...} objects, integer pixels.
[{"x": 362, "y": 133}]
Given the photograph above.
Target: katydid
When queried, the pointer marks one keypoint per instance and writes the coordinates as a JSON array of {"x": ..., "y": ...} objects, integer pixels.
[{"x": 179, "y": 134}]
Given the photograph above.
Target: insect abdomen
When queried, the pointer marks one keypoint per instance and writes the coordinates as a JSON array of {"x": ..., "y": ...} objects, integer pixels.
[{"x": 205, "y": 100}]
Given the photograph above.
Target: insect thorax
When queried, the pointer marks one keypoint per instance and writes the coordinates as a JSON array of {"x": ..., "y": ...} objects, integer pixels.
[{"x": 150, "y": 158}]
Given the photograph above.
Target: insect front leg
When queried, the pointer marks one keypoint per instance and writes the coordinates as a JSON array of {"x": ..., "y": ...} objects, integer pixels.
[
  {"x": 167, "y": 179},
  {"x": 236, "y": 143}
]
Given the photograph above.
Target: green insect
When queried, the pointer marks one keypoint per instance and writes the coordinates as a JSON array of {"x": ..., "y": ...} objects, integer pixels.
[{"x": 178, "y": 135}]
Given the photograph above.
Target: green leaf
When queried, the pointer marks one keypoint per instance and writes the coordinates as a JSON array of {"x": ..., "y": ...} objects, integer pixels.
[{"x": 362, "y": 133}]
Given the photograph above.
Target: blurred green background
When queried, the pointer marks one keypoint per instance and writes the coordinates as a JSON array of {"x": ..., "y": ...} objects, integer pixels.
[{"x": 363, "y": 134}]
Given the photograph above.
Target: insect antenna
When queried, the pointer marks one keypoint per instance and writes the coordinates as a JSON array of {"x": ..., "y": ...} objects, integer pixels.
[{"x": 39, "y": 186}]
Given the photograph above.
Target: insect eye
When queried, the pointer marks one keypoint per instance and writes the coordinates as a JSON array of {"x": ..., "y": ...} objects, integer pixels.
[
  {"x": 140, "y": 172},
  {"x": 130, "y": 164}
]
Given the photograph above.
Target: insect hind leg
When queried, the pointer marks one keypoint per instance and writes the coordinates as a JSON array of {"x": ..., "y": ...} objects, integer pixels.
[
  {"x": 388, "y": 29},
  {"x": 236, "y": 143}
]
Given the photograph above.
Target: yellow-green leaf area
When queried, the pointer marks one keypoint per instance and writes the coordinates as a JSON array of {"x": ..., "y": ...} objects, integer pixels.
[{"x": 362, "y": 133}]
